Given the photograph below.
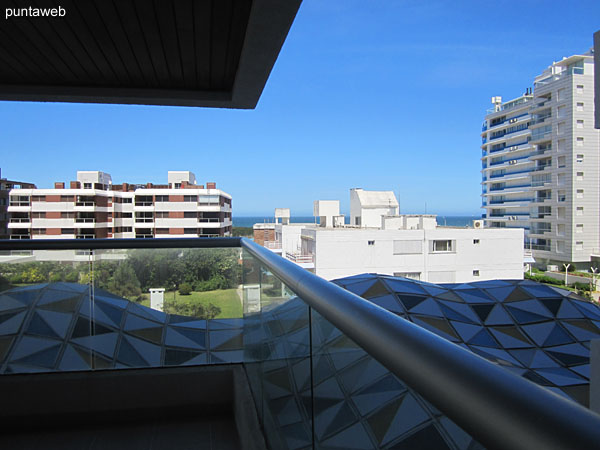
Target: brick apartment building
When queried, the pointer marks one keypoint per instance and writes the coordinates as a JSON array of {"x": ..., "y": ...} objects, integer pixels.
[{"x": 93, "y": 207}]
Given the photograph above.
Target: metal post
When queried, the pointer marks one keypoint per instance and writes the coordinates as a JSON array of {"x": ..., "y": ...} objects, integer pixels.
[{"x": 566, "y": 266}]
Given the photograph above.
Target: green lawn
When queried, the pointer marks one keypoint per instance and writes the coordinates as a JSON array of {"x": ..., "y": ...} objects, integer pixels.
[{"x": 226, "y": 299}]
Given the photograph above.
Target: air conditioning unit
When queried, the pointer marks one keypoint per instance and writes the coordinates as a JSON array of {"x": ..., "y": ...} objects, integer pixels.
[
  {"x": 478, "y": 224},
  {"x": 513, "y": 120},
  {"x": 512, "y": 161}
]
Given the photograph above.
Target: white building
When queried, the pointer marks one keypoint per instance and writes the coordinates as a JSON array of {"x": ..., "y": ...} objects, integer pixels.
[
  {"x": 367, "y": 207},
  {"x": 403, "y": 245},
  {"x": 94, "y": 207},
  {"x": 540, "y": 164}
]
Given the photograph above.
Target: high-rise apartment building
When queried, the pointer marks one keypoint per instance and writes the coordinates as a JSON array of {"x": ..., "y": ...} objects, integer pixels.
[
  {"x": 540, "y": 164},
  {"x": 93, "y": 207}
]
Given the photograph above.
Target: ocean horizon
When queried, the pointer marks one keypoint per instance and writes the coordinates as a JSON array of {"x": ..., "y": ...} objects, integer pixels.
[{"x": 249, "y": 221}]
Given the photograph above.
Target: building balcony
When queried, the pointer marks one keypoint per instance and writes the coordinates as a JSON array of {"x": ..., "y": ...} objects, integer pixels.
[{"x": 281, "y": 318}]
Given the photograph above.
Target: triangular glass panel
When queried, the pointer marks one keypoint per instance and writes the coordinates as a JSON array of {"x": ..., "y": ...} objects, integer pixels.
[
  {"x": 484, "y": 339},
  {"x": 129, "y": 356},
  {"x": 590, "y": 310},
  {"x": 582, "y": 329},
  {"x": 5, "y": 344},
  {"x": 104, "y": 343},
  {"x": 517, "y": 295},
  {"x": 354, "y": 437},
  {"x": 425, "y": 438},
  {"x": 465, "y": 330},
  {"x": 45, "y": 358},
  {"x": 474, "y": 296},
  {"x": 511, "y": 337},
  {"x": 10, "y": 323},
  {"x": 113, "y": 313},
  {"x": 409, "y": 415},
  {"x": 428, "y": 307},
  {"x": 560, "y": 376},
  {"x": 449, "y": 295},
  {"x": 541, "y": 291},
  {"x": 150, "y": 352},
  {"x": 524, "y": 356},
  {"x": 539, "y": 332},
  {"x": 552, "y": 304},
  {"x": 58, "y": 321},
  {"x": 177, "y": 357},
  {"x": 66, "y": 305},
  {"x": 440, "y": 327},
  {"x": 377, "y": 289},
  {"x": 499, "y": 316},
  {"x": 558, "y": 336},
  {"x": 7, "y": 303},
  {"x": 523, "y": 317},
  {"x": 185, "y": 337},
  {"x": 500, "y": 293},
  {"x": 342, "y": 418},
  {"x": 72, "y": 360},
  {"x": 227, "y": 340},
  {"x": 405, "y": 286},
  {"x": 154, "y": 334},
  {"x": 389, "y": 302},
  {"x": 28, "y": 345},
  {"x": 361, "y": 287},
  {"x": 568, "y": 311},
  {"x": 410, "y": 301},
  {"x": 541, "y": 360},
  {"x": 38, "y": 326},
  {"x": 482, "y": 311},
  {"x": 459, "y": 311}
]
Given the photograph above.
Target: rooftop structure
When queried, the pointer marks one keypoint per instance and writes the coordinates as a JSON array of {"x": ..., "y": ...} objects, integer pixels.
[
  {"x": 367, "y": 207},
  {"x": 94, "y": 207}
]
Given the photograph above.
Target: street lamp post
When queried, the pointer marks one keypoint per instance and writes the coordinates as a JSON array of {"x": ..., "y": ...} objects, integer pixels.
[
  {"x": 566, "y": 266},
  {"x": 593, "y": 286}
]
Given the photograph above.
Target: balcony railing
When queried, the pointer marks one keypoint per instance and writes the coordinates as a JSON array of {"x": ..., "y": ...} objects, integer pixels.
[
  {"x": 498, "y": 408},
  {"x": 20, "y": 220},
  {"x": 272, "y": 245}
]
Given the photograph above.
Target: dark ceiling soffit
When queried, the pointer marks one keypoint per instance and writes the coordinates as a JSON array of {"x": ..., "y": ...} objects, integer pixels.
[{"x": 268, "y": 26}]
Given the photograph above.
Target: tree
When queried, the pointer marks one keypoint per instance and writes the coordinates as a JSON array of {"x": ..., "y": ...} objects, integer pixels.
[
  {"x": 212, "y": 311},
  {"x": 185, "y": 289},
  {"x": 125, "y": 282}
]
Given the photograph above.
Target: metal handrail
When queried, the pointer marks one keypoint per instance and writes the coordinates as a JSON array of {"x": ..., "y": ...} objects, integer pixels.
[{"x": 498, "y": 408}]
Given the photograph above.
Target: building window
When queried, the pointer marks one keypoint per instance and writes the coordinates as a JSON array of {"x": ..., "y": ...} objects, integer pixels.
[
  {"x": 560, "y": 229},
  {"x": 579, "y": 245},
  {"x": 579, "y": 158},
  {"x": 414, "y": 247},
  {"x": 579, "y": 176},
  {"x": 560, "y": 246},
  {"x": 579, "y": 142},
  {"x": 579, "y": 123},
  {"x": 162, "y": 231},
  {"x": 560, "y": 128},
  {"x": 560, "y": 94},
  {"x": 357, "y": 221},
  {"x": 476, "y": 273},
  {"x": 579, "y": 106},
  {"x": 475, "y": 241},
  {"x": 371, "y": 242},
  {"x": 562, "y": 196},
  {"x": 579, "y": 193},
  {"x": 411, "y": 275},
  {"x": 579, "y": 211},
  {"x": 67, "y": 215},
  {"x": 579, "y": 228},
  {"x": 87, "y": 185},
  {"x": 67, "y": 198},
  {"x": 580, "y": 88},
  {"x": 444, "y": 246},
  {"x": 190, "y": 215},
  {"x": 562, "y": 162},
  {"x": 162, "y": 198},
  {"x": 67, "y": 231},
  {"x": 562, "y": 145}
]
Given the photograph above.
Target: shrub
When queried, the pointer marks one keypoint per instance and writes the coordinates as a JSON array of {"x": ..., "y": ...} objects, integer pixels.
[{"x": 185, "y": 289}]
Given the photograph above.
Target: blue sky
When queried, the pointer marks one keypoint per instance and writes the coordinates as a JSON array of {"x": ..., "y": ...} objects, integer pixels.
[{"x": 377, "y": 94}]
